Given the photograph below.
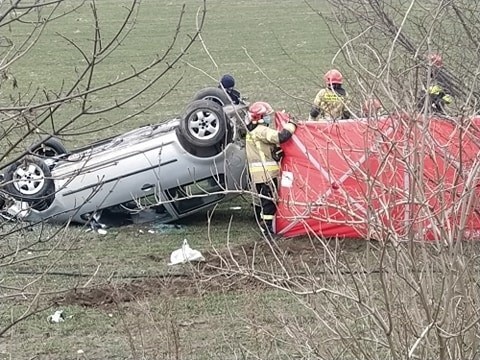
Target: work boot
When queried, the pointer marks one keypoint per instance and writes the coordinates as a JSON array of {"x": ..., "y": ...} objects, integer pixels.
[{"x": 267, "y": 231}]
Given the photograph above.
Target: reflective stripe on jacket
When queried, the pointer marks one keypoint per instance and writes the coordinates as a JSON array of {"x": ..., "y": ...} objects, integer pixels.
[
  {"x": 330, "y": 104},
  {"x": 437, "y": 90},
  {"x": 259, "y": 144}
]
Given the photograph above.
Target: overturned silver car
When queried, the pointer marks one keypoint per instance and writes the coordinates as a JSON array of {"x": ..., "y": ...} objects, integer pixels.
[{"x": 175, "y": 168}]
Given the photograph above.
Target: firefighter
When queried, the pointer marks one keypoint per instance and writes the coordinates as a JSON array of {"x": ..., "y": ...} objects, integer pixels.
[
  {"x": 372, "y": 107},
  {"x": 330, "y": 102},
  {"x": 261, "y": 146},
  {"x": 227, "y": 83},
  {"x": 436, "y": 94}
]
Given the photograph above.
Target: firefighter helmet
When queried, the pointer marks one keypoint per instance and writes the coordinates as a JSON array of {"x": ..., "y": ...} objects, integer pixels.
[
  {"x": 267, "y": 106},
  {"x": 258, "y": 111},
  {"x": 436, "y": 60},
  {"x": 333, "y": 77}
]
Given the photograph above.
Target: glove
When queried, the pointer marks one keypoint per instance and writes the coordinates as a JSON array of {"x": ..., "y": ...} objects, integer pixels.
[
  {"x": 293, "y": 121},
  {"x": 290, "y": 127},
  {"x": 277, "y": 153}
]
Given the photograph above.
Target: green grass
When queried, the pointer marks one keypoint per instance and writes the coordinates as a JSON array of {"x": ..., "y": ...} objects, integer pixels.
[
  {"x": 285, "y": 40},
  {"x": 205, "y": 327}
]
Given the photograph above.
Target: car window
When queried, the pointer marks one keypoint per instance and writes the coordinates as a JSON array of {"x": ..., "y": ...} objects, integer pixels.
[{"x": 197, "y": 194}]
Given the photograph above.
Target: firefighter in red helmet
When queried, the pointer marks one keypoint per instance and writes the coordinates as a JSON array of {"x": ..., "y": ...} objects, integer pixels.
[
  {"x": 261, "y": 144},
  {"x": 330, "y": 102},
  {"x": 435, "y": 60}
]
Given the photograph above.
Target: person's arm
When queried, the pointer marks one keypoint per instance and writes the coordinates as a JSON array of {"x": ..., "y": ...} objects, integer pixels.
[
  {"x": 287, "y": 132},
  {"x": 346, "y": 114},
  {"x": 234, "y": 96},
  {"x": 275, "y": 137},
  {"x": 315, "y": 109}
]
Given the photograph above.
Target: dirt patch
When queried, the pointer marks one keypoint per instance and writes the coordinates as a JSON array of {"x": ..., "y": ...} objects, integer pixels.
[
  {"x": 226, "y": 270},
  {"x": 136, "y": 290}
]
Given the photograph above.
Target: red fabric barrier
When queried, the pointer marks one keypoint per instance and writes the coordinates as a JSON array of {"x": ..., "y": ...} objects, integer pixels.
[{"x": 350, "y": 178}]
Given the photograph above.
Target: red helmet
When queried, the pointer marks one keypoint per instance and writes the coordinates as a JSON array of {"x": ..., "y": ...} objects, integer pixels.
[
  {"x": 333, "y": 77},
  {"x": 258, "y": 110},
  {"x": 371, "y": 106},
  {"x": 266, "y": 105},
  {"x": 436, "y": 60}
]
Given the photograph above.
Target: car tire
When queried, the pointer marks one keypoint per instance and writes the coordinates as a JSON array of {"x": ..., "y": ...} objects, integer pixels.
[
  {"x": 213, "y": 94},
  {"x": 49, "y": 147},
  {"x": 30, "y": 180},
  {"x": 203, "y": 125}
]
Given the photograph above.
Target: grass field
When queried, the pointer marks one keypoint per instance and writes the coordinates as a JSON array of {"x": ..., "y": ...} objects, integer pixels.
[
  {"x": 128, "y": 304},
  {"x": 285, "y": 42}
]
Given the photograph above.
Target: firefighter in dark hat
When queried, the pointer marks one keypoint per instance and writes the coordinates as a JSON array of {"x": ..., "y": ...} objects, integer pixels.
[{"x": 227, "y": 83}]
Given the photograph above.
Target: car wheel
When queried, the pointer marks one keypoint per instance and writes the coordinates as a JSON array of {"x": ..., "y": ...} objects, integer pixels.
[
  {"x": 50, "y": 147},
  {"x": 214, "y": 94},
  {"x": 29, "y": 180},
  {"x": 203, "y": 124}
]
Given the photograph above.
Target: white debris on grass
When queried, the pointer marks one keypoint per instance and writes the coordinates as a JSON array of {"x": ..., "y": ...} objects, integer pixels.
[
  {"x": 185, "y": 254},
  {"x": 57, "y": 317},
  {"x": 19, "y": 210},
  {"x": 98, "y": 231}
]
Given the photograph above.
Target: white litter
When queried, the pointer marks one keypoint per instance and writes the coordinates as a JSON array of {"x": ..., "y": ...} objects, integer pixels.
[
  {"x": 235, "y": 208},
  {"x": 185, "y": 254},
  {"x": 57, "y": 317},
  {"x": 19, "y": 209}
]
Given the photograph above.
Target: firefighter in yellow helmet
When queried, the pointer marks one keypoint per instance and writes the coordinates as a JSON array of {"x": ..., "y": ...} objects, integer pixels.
[
  {"x": 436, "y": 96},
  {"x": 330, "y": 102},
  {"x": 261, "y": 145}
]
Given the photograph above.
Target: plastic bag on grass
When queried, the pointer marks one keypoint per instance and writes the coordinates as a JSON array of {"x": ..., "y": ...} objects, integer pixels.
[{"x": 185, "y": 254}]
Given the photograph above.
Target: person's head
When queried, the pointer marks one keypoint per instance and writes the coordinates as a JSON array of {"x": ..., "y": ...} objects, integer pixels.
[
  {"x": 260, "y": 112},
  {"x": 333, "y": 78},
  {"x": 371, "y": 107},
  {"x": 435, "y": 60},
  {"x": 227, "y": 81}
]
